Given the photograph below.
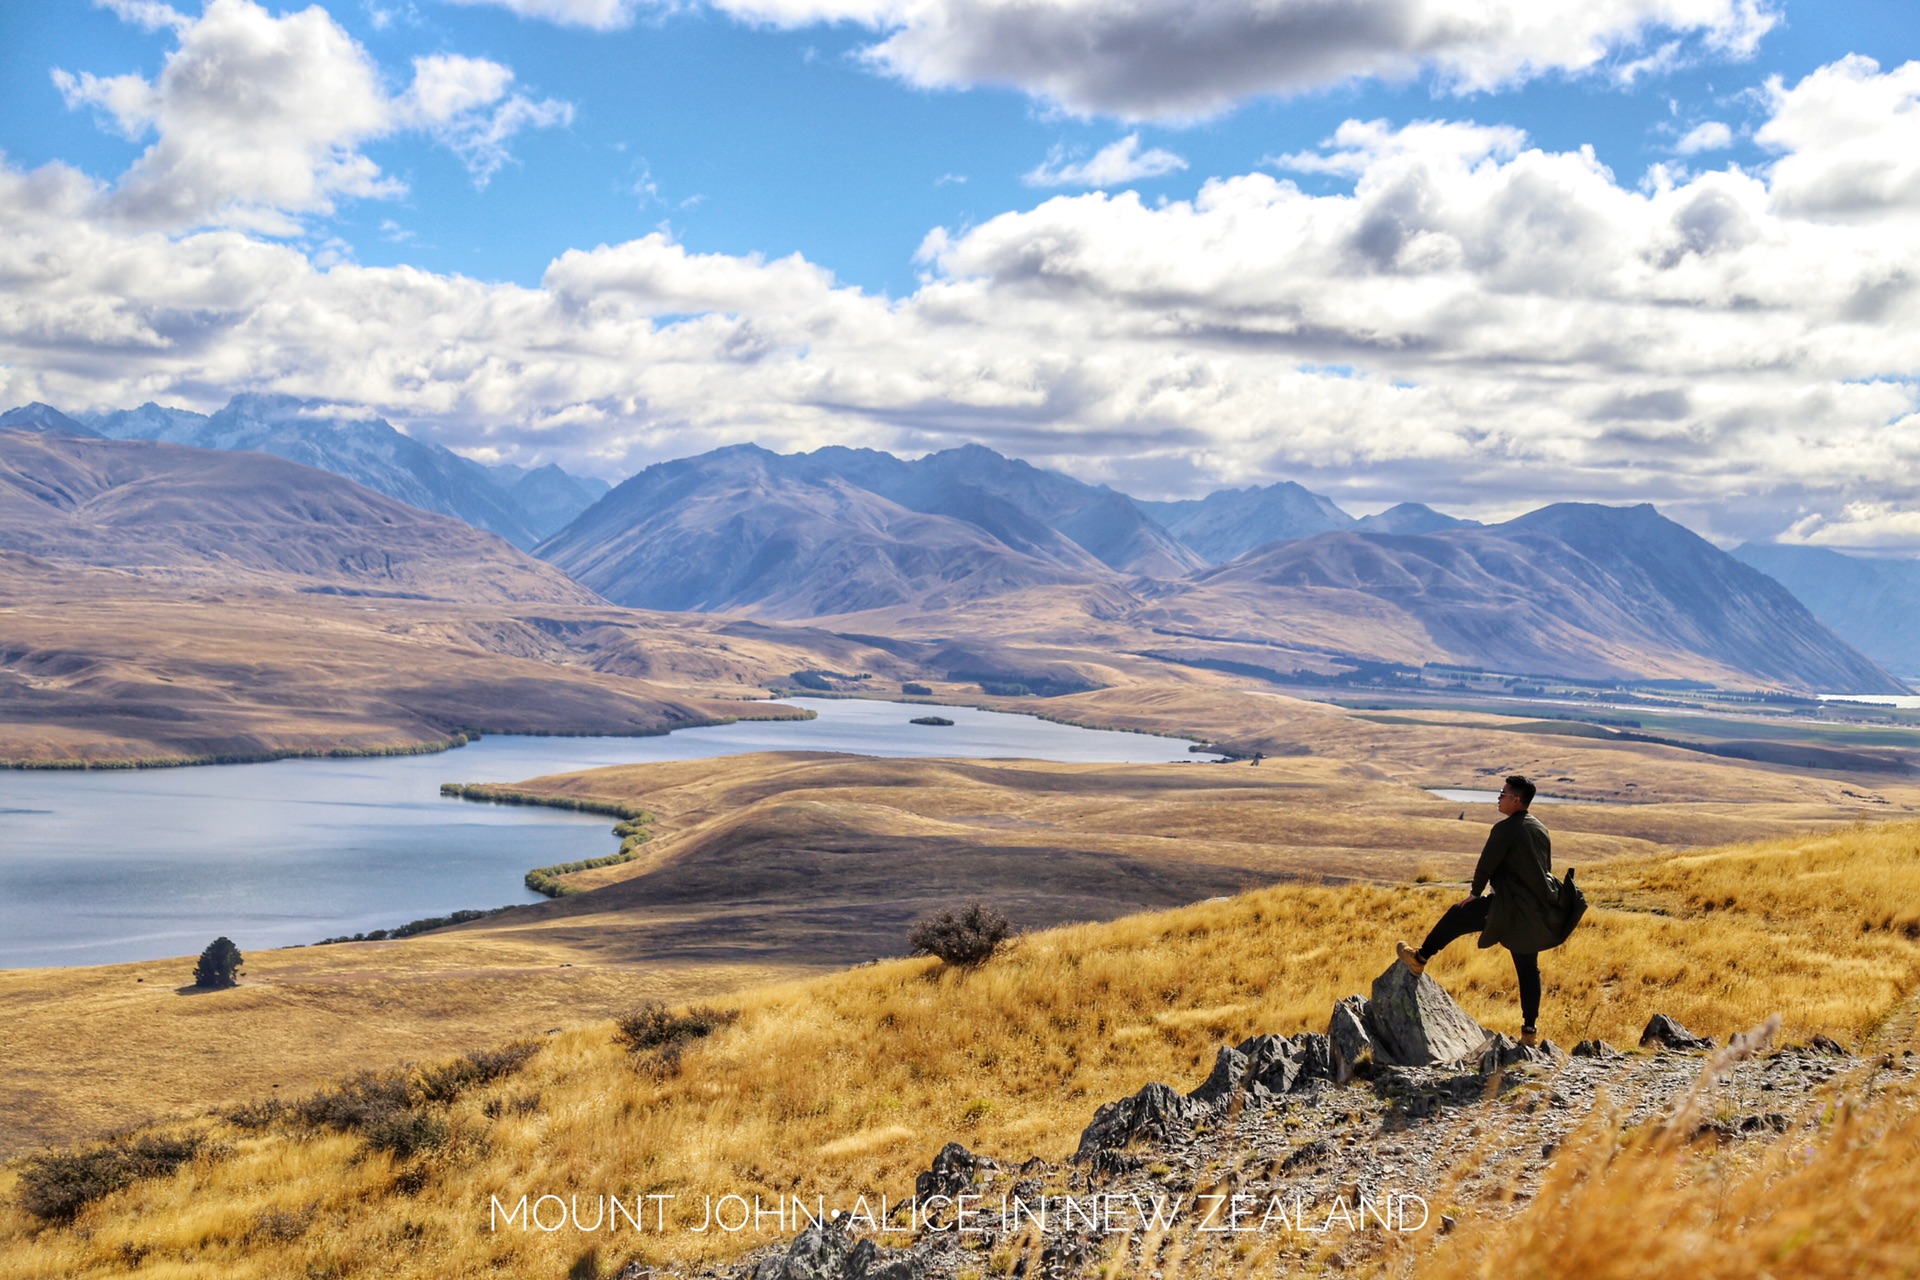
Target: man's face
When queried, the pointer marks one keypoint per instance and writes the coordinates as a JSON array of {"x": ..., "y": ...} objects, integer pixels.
[{"x": 1510, "y": 801}]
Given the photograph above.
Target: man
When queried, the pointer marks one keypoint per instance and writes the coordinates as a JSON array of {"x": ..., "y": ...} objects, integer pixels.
[{"x": 1525, "y": 911}]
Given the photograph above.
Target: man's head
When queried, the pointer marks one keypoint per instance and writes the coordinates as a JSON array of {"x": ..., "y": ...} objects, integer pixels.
[{"x": 1516, "y": 795}]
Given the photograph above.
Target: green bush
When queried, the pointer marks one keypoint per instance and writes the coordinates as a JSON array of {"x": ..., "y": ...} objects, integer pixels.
[
  {"x": 219, "y": 965},
  {"x": 913, "y": 690},
  {"x": 968, "y": 936}
]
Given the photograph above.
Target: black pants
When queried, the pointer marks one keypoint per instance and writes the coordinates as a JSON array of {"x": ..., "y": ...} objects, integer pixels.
[{"x": 1468, "y": 917}]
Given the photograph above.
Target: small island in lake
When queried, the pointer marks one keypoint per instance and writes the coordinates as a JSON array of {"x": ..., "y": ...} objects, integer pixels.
[{"x": 930, "y": 720}]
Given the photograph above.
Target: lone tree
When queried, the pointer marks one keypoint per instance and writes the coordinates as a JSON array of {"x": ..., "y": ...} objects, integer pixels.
[
  {"x": 219, "y": 965},
  {"x": 964, "y": 937}
]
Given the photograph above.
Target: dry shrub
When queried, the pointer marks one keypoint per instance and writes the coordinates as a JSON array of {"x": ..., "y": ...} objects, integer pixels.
[
  {"x": 396, "y": 1111},
  {"x": 655, "y": 1029},
  {"x": 56, "y": 1187},
  {"x": 360, "y": 1104},
  {"x": 408, "y": 1133},
  {"x": 281, "y": 1225},
  {"x": 654, "y": 1026},
  {"x": 448, "y": 1080},
  {"x": 968, "y": 936}
]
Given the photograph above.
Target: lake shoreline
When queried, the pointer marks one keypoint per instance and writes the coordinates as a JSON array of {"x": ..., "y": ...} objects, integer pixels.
[
  {"x": 436, "y": 746},
  {"x": 631, "y": 829},
  {"x": 313, "y": 847}
]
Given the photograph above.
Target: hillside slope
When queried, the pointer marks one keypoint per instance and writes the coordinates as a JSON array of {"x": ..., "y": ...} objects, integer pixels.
[
  {"x": 742, "y": 529},
  {"x": 163, "y": 508},
  {"x": 1572, "y": 589},
  {"x": 1231, "y": 522},
  {"x": 850, "y": 1084},
  {"x": 1874, "y": 605},
  {"x": 521, "y": 506}
]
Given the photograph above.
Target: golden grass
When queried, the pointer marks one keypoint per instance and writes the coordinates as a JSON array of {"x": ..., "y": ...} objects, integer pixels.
[
  {"x": 767, "y": 867},
  {"x": 109, "y": 667},
  {"x": 1844, "y": 1206},
  {"x": 847, "y": 1084}
]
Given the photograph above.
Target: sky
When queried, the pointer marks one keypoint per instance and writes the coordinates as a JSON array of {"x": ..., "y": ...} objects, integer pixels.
[{"x": 1484, "y": 254}]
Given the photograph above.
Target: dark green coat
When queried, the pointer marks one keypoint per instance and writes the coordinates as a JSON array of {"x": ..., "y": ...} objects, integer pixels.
[{"x": 1517, "y": 863}]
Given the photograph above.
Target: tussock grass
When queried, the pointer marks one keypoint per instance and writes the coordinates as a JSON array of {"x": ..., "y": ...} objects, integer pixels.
[
  {"x": 848, "y": 1084},
  {"x": 1844, "y": 1206}
]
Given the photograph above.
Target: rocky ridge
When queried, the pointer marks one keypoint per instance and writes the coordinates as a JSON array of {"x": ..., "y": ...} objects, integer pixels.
[{"x": 1325, "y": 1144}]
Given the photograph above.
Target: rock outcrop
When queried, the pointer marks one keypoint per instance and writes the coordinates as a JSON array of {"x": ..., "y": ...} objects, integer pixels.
[
  {"x": 1410, "y": 1021},
  {"x": 1352, "y": 1042},
  {"x": 1153, "y": 1114},
  {"x": 1481, "y": 1128},
  {"x": 1415, "y": 1023},
  {"x": 955, "y": 1170},
  {"x": 1664, "y": 1033}
]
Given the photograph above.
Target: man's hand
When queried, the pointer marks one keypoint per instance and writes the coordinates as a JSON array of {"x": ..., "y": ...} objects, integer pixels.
[{"x": 1472, "y": 897}]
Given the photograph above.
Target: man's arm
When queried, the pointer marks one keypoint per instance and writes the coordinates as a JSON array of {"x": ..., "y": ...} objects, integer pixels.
[{"x": 1491, "y": 856}]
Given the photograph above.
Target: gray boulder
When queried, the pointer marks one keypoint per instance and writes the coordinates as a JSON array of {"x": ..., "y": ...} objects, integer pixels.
[
  {"x": 1415, "y": 1023},
  {"x": 1263, "y": 1067},
  {"x": 1596, "y": 1049},
  {"x": 822, "y": 1252},
  {"x": 1349, "y": 1038},
  {"x": 1498, "y": 1053},
  {"x": 1283, "y": 1064},
  {"x": 828, "y": 1252},
  {"x": 1664, "y": 1033},
  {"x": 1155, "y": 1114},
  {"x": 1228, "y": 1074},
  {"x": 954, "y": 1170}
]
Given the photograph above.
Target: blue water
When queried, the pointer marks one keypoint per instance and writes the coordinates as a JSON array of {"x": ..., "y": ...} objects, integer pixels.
[{"x": 118, "y": 865}]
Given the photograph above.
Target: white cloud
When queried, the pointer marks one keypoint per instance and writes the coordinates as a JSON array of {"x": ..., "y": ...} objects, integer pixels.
[
  {"x": 1851, "y": 138},
  {"x": 654, "y": 276},
  {"x": 450, "y": 98},
  {"x": 596, "y": 15},
  {"x": 448, "y": 86},
  {"x": 259, "y": 120},
  {"x": 1359, "y": 145},
  {"x": 1476, "y": 322},
  {"x": 1184, "y": 60},
  {"x": 146, "y": 13},
  {"x": 1113, "y": 165},
  {"x": 256, "y": 118},
  {"x": 1191, "y": 59},
  {"x": 1710, "y": 135},
  {"x": 1862, "y": 525}
]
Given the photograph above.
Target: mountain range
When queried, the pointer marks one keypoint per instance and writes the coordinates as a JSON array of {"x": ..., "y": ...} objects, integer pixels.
[
  {"x": 1872, "y": 604},
  {"x": 521, "y": 506},
  {"x": 170, "y": 511},
  {"x": 925, "y": 547},
  {"x": 969, "y": 545},
  {"x": 1571, "y": 589}
]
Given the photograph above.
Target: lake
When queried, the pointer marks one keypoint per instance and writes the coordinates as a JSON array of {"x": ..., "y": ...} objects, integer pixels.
[
  {"x": 1463, "y": 796},
  {"x": 104, "y": 866}
]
